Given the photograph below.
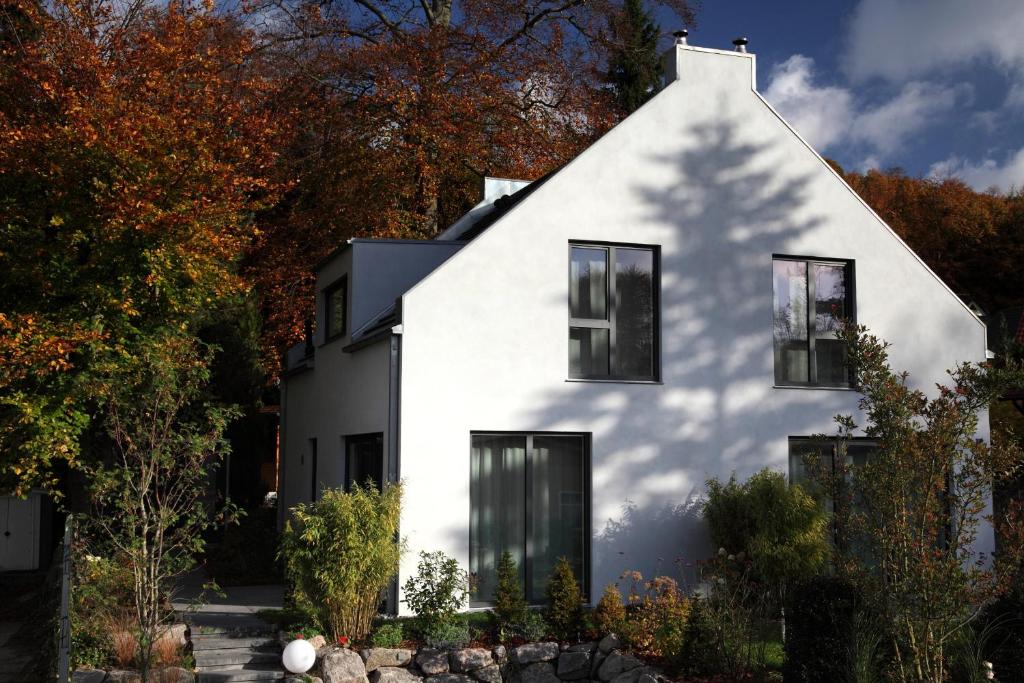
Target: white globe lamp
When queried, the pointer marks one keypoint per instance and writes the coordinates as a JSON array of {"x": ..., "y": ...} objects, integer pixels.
[{"x": 299, "y": 656}]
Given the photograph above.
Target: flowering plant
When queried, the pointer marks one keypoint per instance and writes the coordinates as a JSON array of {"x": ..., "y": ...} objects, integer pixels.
[{"x": 343, "y": 641}]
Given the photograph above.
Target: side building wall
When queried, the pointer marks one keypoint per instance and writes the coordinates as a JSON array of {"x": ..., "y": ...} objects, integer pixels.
[{"x": 343, "y": 394}]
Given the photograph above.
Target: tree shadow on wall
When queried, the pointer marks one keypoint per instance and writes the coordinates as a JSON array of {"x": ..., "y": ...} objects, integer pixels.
[
  {"x": 626, "y": 546},
  {"x": 735, "y": 205}
]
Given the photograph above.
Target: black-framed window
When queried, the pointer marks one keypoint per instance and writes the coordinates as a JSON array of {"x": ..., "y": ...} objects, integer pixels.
[
  {"x": 859, "y": 452},
  {"x": 529, "y": 496},
  {"x": 336, "y": 309},
  {"x": 811, "y": 297},
  {"x": 804, "y": 451},
  {"x": 613, "y": 311},
  {"x": 364, "y": 460}
]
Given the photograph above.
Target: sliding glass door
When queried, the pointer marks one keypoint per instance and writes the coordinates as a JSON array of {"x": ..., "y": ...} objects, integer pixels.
[{"x": 528, "y": 496}]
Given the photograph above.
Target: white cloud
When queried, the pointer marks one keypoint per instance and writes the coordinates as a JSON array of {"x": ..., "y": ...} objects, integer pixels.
[
  {"x": 828, "y": 116},
  {"x": 987, "y": 121},
  {"x": 986, "y": 174},
  {"x": 888, "y": 125},
  {"x": 900, "y": 40},
  {"x": 1015, "y": 98},
  {"x": 820, "y": 114}
]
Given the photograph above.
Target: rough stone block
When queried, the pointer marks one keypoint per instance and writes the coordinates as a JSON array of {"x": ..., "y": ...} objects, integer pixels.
[
  {"x": 470, "y": 659},
  {"x": 378, "y": 657},
  {"x": 610, "y": 642},
  {"x": 538, "y": 672},
  {"x": 535, "y": 652},
  {"x": 339, "y": 665},
  {"x": 636, "y": 675},
  {"x": 432, "y": 662},
  {"x": 582, "y": 647},
  {"x": 88, "y": 676},
  {"x": 394, "y": 674},
  {"x": 449, "y": 678},
  {"x": 119, "y": 676},
  {"x": 573, "y": 665},
  {"x": 488, "y": 674},
  {"x": 617, "y": 663}
]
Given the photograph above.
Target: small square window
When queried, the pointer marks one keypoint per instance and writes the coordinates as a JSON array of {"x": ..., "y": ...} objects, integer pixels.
[{"x": 335, "y": 309}]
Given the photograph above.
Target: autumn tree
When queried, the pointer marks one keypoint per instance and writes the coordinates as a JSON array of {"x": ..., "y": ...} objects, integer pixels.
[
  {"x": 136, "y": 145},
  {"x": 406, "y": 105},
  {"x": 908, "y": 519},
  {"x": 148, "y": 499},
  {"x": 635, "y": 65},
  {"x": 973, "y": 240}
]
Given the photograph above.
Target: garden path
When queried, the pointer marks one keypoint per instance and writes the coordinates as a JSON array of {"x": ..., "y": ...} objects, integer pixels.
[
  {"x": 14, "y": 655},
  {"x": 230, "y": 642}
]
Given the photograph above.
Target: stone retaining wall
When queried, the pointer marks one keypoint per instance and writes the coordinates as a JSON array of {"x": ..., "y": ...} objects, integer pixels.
[{"x": 596, "y": 662}]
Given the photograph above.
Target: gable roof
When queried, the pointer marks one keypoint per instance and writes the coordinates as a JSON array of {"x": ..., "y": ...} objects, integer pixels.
[{"x": 505, "y": 203}]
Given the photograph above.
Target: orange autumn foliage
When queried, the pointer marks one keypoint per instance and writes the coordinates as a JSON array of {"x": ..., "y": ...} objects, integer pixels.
[
  {"x": 973, "y": 240},
  {"x": 136, "y": 143},
  {"x": 405, "y": 106}
]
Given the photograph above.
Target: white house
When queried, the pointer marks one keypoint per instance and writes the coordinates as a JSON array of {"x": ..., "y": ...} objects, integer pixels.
[{"x": 561, "y": 371}]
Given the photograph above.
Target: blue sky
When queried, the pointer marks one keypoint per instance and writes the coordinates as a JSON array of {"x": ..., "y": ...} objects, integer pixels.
[{"x": 935, "y": 87}]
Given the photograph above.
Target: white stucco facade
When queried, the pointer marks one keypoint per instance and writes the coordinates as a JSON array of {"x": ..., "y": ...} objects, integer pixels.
[{"x": 710, "y": 174}]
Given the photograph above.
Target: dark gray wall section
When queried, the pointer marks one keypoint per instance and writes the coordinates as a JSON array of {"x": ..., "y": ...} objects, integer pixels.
[{"x": 383, "y": 270}]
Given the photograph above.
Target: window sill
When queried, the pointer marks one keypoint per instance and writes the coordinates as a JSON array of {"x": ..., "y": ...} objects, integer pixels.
[
  {"x": 615, "y": 381},
  {"x": 331, "y": 340},
  {"x": 813, "y": 387}
]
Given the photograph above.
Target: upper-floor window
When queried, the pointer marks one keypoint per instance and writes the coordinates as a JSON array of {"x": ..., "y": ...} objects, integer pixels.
[
  {"x": 613, "y": 312},
  {"x": 335, "y": 305},
  {"x": 811, "y": 298}
]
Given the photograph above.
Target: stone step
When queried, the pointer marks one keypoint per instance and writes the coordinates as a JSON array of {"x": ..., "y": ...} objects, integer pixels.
[
  {"x": 239, "y": 675},
  {"x": 206, "y": 661},
  {"x": 252, "y": 630},
  {"x": 214, "y": 642}
]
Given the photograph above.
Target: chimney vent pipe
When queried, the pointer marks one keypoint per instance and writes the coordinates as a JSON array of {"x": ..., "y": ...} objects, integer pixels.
[
  {"x": 741, "y": 44},
  {"x": 680, "y": 36}
]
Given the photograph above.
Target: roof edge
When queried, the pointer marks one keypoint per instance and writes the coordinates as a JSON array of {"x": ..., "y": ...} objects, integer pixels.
[{"x": 867, "y": 206}]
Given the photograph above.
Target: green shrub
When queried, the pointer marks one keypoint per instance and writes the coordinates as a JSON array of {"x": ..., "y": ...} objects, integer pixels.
[
  {"x": 779, "y": 527},
  {"x": 727, "y": 631},
  {"x": 534, "y": 627},
  {"x": 610, "y": 613},
  {"x": 565, "y": 603},
  {"x": 437, "y": 592},
  {"x": 340, "y": 554},
  {"x": 387, "y": 635},
  {"x": 509, "y": 601},
  {"x": 450, "y": 634},
  {"x": 699, "y": 654},
  {"x": 820, "y": 629},
  {"x": 100, "y": 604}
]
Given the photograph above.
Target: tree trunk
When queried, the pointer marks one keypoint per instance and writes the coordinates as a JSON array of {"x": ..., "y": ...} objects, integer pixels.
[{"x": 441, "y": 13}]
